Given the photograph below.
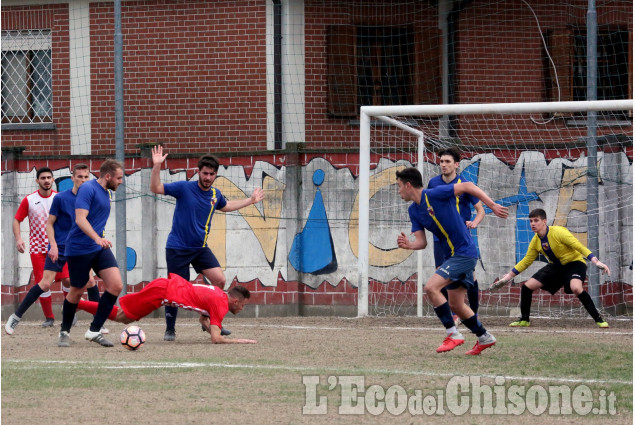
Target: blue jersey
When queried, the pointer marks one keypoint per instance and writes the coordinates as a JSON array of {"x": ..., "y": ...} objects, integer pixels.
[
  {"x": 463, "y": 203},
  {"x": 437, "y": 212},
  {"x": 193, "y": 213},
  {"x": 93, "y": 197},
  {"x": 63, "y": 208}
]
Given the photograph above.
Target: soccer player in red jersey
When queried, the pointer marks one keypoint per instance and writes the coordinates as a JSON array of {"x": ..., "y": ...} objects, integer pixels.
[
  {"x": 36, "y": 207},
  {"x": 211, "y": 302}
]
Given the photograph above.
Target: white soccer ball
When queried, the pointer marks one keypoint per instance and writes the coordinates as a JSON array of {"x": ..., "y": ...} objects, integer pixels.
[{"x": 132, "y": 337}]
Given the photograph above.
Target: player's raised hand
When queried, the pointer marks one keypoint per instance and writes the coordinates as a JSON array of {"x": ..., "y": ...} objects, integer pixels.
[
  {"x": 500, "y": 210},
  {"x": 157, "y": 155},
  {"x": 258, "y": 195}
]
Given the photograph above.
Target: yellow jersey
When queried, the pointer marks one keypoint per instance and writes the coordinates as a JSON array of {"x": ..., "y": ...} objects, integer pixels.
[{"x": 559, "y": 246}]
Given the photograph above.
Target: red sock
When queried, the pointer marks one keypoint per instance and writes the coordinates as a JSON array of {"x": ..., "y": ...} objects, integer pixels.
[
  {"x": 47, "y": 307},
  {"x": 91, "y": 307}
]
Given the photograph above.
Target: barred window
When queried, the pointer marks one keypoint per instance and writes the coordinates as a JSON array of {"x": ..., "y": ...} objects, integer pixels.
[
  {"x": 26, "y": 77},
  {"x": 566, "y": 67},
  {"x": 381, "y": 65}
]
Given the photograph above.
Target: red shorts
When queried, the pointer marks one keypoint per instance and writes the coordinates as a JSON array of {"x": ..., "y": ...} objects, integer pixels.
[
  {"x": 38, "y": 261},
  {"x": 139, "y": 304}
]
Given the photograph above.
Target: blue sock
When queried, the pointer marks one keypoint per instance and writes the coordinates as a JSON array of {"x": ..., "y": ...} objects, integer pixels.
[
  {"x": 93, "y": 294},
  {"x": 31, "y": 297},
  {"x": 472, "y": 297},
  {"x": 444, "y": 291},
  {"x": 445, "y": 315},
  {"x": 106, "y": 303},
  {"x": 68, "y": 313},
  {"x": 170, "y": 317},
  {"x": 474, "y": 325}
]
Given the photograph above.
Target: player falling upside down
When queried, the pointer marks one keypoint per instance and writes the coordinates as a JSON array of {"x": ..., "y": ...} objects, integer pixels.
[
  {"x": 566, "y": 267},
  {"x": 435, "y": 210},
  {"x": 211, "y": 302}
]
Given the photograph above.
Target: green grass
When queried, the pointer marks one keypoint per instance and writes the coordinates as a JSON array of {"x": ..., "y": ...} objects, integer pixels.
[{"x": 194, "y": 381}]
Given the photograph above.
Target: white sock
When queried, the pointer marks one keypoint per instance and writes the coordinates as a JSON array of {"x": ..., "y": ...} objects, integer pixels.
[{"x": 450, "y": 331}]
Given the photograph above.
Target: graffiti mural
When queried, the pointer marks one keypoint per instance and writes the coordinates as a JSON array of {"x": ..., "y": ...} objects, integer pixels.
[{"x": 318, "y": 237}]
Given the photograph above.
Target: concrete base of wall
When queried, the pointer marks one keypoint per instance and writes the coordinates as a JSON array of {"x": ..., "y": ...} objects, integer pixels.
[
  {"x": 284, "y": 310},
  {"x": 277, "y": 310}
]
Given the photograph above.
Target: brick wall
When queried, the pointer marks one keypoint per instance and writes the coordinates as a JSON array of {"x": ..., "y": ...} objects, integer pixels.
[
  {"x": 195, "y": 72},
  {"x": 55, "y": 18},
  {"x": 194, "y": 75}
]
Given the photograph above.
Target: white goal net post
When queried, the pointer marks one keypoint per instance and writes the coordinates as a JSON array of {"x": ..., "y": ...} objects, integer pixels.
[{"x": 525, "y": 156}]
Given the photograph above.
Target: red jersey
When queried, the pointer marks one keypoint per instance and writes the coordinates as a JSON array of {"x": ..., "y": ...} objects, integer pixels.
[
  {"x": 207, "y": 300},
  {"x": 36, "y": 207}
]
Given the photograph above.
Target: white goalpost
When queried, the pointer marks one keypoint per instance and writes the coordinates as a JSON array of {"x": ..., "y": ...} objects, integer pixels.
[{"x": 525, "y": 156}]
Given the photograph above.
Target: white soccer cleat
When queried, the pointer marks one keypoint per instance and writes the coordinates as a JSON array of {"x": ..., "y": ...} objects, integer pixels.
[
  {"x": 11, "y": 324},
  {"x": 98, "y": 338}
]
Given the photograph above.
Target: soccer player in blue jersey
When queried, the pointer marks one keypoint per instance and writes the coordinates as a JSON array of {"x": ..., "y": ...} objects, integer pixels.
[
  {"x": 567, "y": 267},
  {"x": 196, "y": 202},
  {"x": 61, "y": 217},
  {"x": 450, "y": 160},
  {"x": 435, "y": 210},
  {"x": 86, "y": 249}
]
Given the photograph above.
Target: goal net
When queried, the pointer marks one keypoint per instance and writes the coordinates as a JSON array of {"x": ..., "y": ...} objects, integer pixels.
[{"x": 572, "y": 159}]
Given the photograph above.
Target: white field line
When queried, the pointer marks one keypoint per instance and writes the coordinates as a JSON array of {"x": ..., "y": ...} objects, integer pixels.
[{"x": 57, "y": 364}]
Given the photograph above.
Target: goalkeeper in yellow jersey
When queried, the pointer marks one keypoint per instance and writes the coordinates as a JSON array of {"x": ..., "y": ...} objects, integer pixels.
[{"x": 567, "y": 267}]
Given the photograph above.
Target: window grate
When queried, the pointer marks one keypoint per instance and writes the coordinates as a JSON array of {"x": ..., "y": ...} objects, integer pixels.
[{"x": 26, "y": 77}]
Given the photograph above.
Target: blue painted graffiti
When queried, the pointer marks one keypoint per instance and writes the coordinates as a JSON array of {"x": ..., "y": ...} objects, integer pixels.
[{"x": 312, "y": 250}]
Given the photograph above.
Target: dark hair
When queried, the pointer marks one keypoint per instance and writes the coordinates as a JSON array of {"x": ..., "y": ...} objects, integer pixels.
[
  {"x": 80, "y": 166},
  {"x": 538, "y": 212},
  {"x": 209, "y": 161},
  {"x": 239, "y": 292},
  {"x": 410, "y": 175},
  {"x": 42, "y": 170},
  {"x": 109, "y": 166},
  {"x": 453, "y": 152}
]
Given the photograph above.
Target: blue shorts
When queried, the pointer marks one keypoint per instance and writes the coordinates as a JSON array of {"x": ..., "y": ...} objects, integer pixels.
[
  {"x": 57, "y": 266},
  {"x": 459, "y": 270},
  {"x": 179, "y": 260},
  {"x": 79, "y": 265}
]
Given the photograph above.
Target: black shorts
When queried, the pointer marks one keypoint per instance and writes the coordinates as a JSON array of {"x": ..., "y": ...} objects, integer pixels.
[
  {"x": 179, "y": 260},
  {"x": 57, "y": 266},
  {"x": 79, "y": 265},
  {"x": 553, "y": 277}
]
